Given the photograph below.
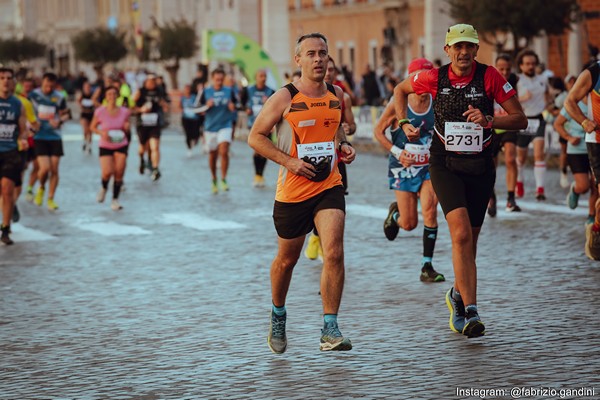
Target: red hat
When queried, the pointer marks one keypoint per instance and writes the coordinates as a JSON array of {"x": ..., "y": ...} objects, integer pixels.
[{"x": 419, "y": 64}]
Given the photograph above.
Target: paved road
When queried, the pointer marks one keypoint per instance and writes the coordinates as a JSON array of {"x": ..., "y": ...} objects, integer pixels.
[{"x": 170, "y": 297}]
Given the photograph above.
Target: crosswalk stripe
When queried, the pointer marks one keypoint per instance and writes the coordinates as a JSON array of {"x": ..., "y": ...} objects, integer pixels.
[
  {"x": 21, "y": 233},
  {"x": 109, "y": 228},
  {"x": 199, "y": 222}
]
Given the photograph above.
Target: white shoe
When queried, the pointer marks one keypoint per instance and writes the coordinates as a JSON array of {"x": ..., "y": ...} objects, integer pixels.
[
  {"x": 101, "y": 195},
  {"x": 564, "y": 180},
  {"x": 115, "y": 205},
  {"x": 189, "y": 153}
]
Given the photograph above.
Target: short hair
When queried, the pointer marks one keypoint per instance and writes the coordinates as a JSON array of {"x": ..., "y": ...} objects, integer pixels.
[
  {"x": 505, "y": 57},
  {"x": 314, "y": 35},
  {"x": 109, "y": 88},
  {"x": 51, "y": 76},
  {"x": 217, "y": 71},
  {"x": 527, "y": 53},
  {"x": 333, "y": 61},
  {"x": 5, "y": 70}
]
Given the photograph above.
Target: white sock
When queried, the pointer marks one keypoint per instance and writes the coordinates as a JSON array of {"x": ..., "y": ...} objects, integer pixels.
[
  {"x": 519, "y": 171},
  {"x": 539, "y": 171}
]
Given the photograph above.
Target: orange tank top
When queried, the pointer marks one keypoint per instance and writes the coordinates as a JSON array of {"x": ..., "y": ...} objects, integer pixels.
[{"x": 308, "y": 129}]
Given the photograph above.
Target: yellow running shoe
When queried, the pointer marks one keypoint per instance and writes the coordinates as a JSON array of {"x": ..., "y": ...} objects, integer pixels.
[
  {"x": 312, "y": 248},
  {"x": 52, "y": 206},
  {"x": 224, "y": 185},
  {"x": 39, "y": 197},
  {"x": 215, "y": 188},
  {"x": 29, "y": 195}
]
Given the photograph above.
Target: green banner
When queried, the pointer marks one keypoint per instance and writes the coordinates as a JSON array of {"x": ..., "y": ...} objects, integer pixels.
[{"x": 230, "y": 46}]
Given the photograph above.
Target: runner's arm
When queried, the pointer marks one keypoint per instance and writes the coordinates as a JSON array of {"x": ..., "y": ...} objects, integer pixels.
[
  {"x": 559, "y": 126},
  {"x": 514, "y": 120},
  {"x": 348, "y": 115},
  {"x": 346, "y": 151},
  {"x": 385, "y": 121},
  {"x": 582, "y": 87},
  {"x": 401, "y": 92},
  {"x": 271, "y": 113}
]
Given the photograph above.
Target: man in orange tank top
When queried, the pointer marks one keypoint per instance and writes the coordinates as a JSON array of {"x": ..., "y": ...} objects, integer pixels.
[{"x": 307, "y": 116}]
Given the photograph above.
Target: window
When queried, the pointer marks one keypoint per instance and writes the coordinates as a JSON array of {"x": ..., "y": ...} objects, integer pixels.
[
  {"x": 352, "y": 59},
  {"x": 340, "y": 57}
]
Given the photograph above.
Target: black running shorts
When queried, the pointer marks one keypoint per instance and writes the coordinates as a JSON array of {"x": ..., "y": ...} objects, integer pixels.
[
  {"x": 594, "y": 158},
  {"x": 146, "y": 132},
  {"x": 460, "y": 190},
  {"x": 110, "y": 152},
  {"x": 293, "y": 220},
  {"x": 11, "y": 166},
  {"x": 49, "y": 148},
  {"x": 578, "y": 163}
]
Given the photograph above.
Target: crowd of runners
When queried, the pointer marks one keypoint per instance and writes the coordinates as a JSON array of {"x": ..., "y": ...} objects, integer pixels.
[{"x": 443, "y": 129}]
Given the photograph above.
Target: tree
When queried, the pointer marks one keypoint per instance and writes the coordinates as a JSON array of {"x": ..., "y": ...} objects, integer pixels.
[
  {"x": 99, "y": 46},
  {"x": 178, "y": 40},
  {"x": 496, "y": 21},
  {"x": 21, "y": 50}
]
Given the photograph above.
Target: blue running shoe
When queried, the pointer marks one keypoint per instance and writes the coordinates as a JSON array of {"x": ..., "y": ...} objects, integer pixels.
[
  {"x": 473, "y": 325},
  {"x": 277, "y": 339},
  {"x": 390, "y": 227},
  {"x": 572, "y": 197},
  {"x": 457, "y": 311},
  {"x": 332, "y": 339}
]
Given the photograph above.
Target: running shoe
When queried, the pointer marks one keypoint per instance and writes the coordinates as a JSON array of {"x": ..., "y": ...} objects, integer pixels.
[
  {"x": 39, "y": 197},
  {"x": 142, "y": 166},
  {"x": 332, "y": 339},
  {"x": 16, "y": 216},
  {"x": 540, "y": 196},
  {"x": 52, "y": 206},
  {"x": 473, "y": 325},
  {"x": 5, "y": 238},
  {"x": 101, "y": 195},
  {"x": 519, "y": 190},
  {"x": 511, "y": 206},
  {"x": 492, "y": 210},
  {"x": 259, "y": 181},
  {"x": 564, "y": 180},
  {"x": 312, "y": 248},
  {"x": 115, "y": 205},
  {"x": 457, "y": 311},
  {"x": 277, "y": 340},
  {"x": 572, "y": 197},
  {"x": 592, "y": 243},
  {"x": 215, "y": 188},
  {"x": 224, "y": 185},
  {"x": 155, "y": 174},
  {"x": 390, "y": 227},
  {"x": 29, "y": 194},
  {"x": 589, "y": 220},
  {"x": 428, "y": 274}
]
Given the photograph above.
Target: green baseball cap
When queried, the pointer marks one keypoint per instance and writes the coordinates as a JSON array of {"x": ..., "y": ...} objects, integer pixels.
[{"x": 461, "y": 33}]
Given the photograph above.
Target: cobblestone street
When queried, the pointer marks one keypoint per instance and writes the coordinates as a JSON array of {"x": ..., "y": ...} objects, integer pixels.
[{"x": 170, "y": 297}]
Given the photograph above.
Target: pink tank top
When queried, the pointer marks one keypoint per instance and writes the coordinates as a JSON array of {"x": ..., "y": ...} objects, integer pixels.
[{"x": 115, "y": 125}]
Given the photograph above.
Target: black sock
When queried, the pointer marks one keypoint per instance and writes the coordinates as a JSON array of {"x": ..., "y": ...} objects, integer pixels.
[
  {"x": 259, "y": 164},
  {"x": 117, "y": 189},
  {"x": 511, "y": 196},
  {"x": 429, "y": 237},
  {"x": 105, "y": 183}
]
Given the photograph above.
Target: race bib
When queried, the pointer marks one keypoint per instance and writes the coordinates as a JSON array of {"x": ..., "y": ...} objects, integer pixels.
[
  {"x": 419, "y": 153},
  {"x": 7, "y": 132},
  {"x": 116, "y": 136},
  {"x": 46, "y": 113},
  {"x": 87, "y": 103},
  {"x": 317, "y": 151},
  {"x": 256, "y": 109},
  {"x": 532, "y": 126},
  {"x": 150, "y": 119},
  {"x": 464, "y": 137}
]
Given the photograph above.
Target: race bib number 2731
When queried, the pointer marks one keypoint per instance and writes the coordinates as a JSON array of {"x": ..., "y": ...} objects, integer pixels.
[{"x": 463, "y": 137}]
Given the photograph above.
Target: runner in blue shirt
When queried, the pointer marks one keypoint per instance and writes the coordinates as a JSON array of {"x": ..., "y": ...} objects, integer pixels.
[
  {"x": 257, "y": 95},
  {"x": 217, "y": 125},
  {"x": 51, "y": 110},
  {"x": 13, "y": 137}
]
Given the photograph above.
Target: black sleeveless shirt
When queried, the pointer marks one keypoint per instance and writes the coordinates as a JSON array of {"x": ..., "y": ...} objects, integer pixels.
[{"x": 450, "y": 103}]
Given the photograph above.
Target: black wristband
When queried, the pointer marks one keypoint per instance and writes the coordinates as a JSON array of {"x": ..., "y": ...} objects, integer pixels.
[{"x": 344, "y": 142}]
